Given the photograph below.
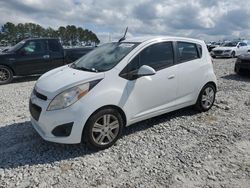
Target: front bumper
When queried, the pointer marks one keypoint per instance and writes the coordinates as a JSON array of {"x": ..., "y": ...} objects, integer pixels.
[
  {"x": 47, "y": 121},
  {"x": 242, "y": 66},
  {"x": 223, "y": 54}
]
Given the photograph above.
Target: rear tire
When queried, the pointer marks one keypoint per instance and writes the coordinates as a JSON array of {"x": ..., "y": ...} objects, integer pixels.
[
  {"x": 103, "y": 129},
  {"x": 206, "y": 98},
  {"x": 6, "y": 75}
]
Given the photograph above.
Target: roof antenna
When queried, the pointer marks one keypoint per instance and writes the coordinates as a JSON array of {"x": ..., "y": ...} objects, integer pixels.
[{"x": 124, "y": 36}]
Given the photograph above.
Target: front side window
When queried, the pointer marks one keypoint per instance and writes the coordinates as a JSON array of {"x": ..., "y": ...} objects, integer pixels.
[
  {"x": 105, "y": 57},
  {"x": 34, "y": 47},
  {"x": 158, "y": 56},
  {"x": 186, "y": 51}
]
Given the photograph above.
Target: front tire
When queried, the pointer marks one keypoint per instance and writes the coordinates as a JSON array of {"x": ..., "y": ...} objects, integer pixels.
[
  {"x": 103, "y": 129},
  {"x": 6, "y": 75},
  {"x": 206, "y": 98},
  {"x": 233, "y": 54}
]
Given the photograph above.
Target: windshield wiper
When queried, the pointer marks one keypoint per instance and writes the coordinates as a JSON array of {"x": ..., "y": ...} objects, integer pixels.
[{"x": 83, "y": 68}]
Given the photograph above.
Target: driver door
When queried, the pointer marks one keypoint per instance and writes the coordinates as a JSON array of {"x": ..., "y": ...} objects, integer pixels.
[
  {"x": 32, "y": 58},
  {"x": 151, "y": 95}
]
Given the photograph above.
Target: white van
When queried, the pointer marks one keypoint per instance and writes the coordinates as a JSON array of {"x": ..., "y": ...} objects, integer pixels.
[{"x": 119, "y": 84}]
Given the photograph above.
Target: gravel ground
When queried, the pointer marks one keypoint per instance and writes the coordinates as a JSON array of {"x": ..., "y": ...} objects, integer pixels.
[{"x": 180, "y": 149}]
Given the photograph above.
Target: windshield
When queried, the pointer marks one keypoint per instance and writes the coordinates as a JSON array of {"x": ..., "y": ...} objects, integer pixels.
[
  {"x": 16, "y": 47},
  {"x": 105, "y": 57},
  {"x": 230, "y": 44}
]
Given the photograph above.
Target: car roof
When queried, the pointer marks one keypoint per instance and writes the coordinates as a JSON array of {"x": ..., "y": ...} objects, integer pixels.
[{"x": 153, "y": 38}]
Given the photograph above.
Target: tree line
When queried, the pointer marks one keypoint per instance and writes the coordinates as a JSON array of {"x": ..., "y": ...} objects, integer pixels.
[{"x": 70, "y": 35}]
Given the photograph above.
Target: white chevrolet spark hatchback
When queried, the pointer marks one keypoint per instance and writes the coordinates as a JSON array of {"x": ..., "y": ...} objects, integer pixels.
[{"x": 119, "y": 84}]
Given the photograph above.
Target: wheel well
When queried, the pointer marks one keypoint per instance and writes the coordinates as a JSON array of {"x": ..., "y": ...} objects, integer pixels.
[
  {"x": 213, "y": 85},
  {"x": 121, "y": 112},
  {"x": 9, "y": 68}
]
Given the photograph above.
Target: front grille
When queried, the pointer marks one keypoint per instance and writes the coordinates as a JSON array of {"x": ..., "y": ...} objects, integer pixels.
[
  {"x": 218, "y": 52},
  {"x": 35, "y": 111},
  {"x": 40, "y": 96}
]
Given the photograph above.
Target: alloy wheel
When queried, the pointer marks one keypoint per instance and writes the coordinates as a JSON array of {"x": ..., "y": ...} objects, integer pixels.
[
  {"x": 208, "y": 97},
  {"x": 4, "y": 74},
  {"x": 105, "y": 129}
]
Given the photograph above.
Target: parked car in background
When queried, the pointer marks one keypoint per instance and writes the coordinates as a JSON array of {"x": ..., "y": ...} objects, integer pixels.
[
  {"x": 119, "y": 84},
  {"x": 242, "y": 64},
  {"x": 213, "y": 45},
  {"x": 230, "y": 49},
  {"x": 36, "y": 56}
]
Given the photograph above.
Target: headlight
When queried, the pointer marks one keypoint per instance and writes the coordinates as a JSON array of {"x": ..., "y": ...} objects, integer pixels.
[
  {"x": 227, "y": 51},
  {"x": 70, "y": 96}
]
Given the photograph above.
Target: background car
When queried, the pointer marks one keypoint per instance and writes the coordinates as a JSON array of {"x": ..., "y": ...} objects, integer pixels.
[
  {"x": 36, "y": 56},
  {"x": 242, "y": 64},
  {"x": 230, "y": 49},
  {"x": 212, "y": 45}
]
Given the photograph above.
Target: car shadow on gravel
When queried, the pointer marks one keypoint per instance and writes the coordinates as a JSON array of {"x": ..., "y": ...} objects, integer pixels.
[
  {"x": 146, "y": 124},
  {"x": 245, "y": 77},
  {"x": 20, "y": 145}
]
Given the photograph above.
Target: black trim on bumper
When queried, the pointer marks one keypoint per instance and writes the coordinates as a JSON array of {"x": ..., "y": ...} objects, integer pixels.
[
  {"x": 35, "y": 110},
  {"x": 63, "y": 130},
  {"x": 40, "y": 96}
]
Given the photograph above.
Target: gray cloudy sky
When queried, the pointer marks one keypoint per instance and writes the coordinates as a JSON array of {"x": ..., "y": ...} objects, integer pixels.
[{"x": 205, "y": 19}]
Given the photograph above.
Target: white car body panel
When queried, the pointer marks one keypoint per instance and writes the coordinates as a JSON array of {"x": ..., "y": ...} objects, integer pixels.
[{"x": 169, "y": 89}]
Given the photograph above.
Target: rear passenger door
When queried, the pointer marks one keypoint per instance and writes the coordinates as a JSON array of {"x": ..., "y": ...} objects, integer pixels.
[
  {"x": 151, "y": 94},
  {"x": 56, "y": 54},
  {"x": 189, "y": 70}
]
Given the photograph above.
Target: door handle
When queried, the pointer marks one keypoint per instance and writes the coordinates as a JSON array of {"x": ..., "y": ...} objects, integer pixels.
[
  {"x": 46, "y": 57},
  {"x": 171, "y": 77}
]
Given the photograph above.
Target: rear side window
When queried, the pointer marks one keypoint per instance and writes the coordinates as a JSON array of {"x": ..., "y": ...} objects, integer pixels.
[
  {"x": 54, "y": 46},
  {"x": 187, "y": 51}
]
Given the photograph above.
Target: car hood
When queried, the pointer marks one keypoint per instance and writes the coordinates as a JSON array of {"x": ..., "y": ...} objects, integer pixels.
[
  {"x": 58, "y": 80},
  {"x": 4, "y": 55},
  {"x": 224, "y": 48}
]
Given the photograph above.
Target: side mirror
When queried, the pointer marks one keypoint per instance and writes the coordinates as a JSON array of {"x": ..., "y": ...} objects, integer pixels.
[{"x": 145, "y": 71}]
